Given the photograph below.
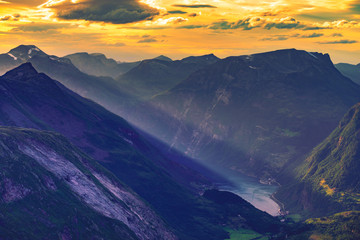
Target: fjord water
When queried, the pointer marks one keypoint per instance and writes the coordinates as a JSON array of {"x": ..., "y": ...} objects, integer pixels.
[{"x": 251, "y": 190}]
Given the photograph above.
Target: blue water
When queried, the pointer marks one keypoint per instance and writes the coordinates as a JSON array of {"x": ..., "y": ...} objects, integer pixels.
[{"x": 252, "y": 191}]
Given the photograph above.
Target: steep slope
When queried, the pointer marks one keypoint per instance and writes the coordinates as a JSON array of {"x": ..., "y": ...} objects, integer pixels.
[
  {"x": 44, "y": 179},
  {"x": 344, "y": 225},
  {"x": 154, "y": 76},
  {"x": 97, "y": 64},
  {"x": 32, "y": 99},
  {"x": 349, "y": 70},
  {"x": 252, "y": 113},
  {"x": 331, "y": 171}
]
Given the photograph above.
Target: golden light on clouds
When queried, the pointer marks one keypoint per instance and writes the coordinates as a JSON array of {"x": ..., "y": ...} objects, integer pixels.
[{"x": 131, "y": 30}]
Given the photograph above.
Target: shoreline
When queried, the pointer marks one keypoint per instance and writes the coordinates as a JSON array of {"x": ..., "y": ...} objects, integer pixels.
[{"x": 282, "y": 210}]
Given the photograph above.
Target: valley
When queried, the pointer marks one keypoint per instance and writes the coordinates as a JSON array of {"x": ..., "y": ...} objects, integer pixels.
[
  {"x": 192, "y": 149},
  {"x": 251, "y": 190}
]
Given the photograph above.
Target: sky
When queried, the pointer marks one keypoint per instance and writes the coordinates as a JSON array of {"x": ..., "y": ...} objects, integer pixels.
[{"x": 129, "y": 30}]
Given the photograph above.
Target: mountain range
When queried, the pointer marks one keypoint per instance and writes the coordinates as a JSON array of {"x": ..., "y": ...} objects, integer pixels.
[
  {"x": 154, "y": 76},
  {"x": 33, "y": 100},
  {"x": 350, "y": 70},
  {"x": 97, "y": 64},
  {"x": 254, "y": 113},
  {"x": 287, "y": 117}
]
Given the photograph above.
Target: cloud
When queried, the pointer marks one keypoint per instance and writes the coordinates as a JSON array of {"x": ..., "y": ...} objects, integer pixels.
[
  {"x": 30, "y": 3},
  {"x": 5, "y": 18},
  {"x": 355, "y": 7},
  {"x": 194, "y": 6},
  {"x": 286, "y": 37},
  {"x": 177, "y": 12},
  {"x": 269, "y": 23},
  {"x": 110, "y": 11},
  {"x": 245, "y": 24},
  {"x": 14, "y": 17},
  {"x": 313, "y": 35},
  {"x": 259, "y": 22},
  {"x": 336, "y": 35},
  {"x": 345, "y": 41},
  {"x": 39, "y": 27},
  {"x": 119, "y": 44},
  {"x": 285, "y": 23},
  {"x": 193, "y": 14},
  {"x": 192, "y": 26},
  {"x": 276, "y": 38},
  {"x": 147, "y": 40}
]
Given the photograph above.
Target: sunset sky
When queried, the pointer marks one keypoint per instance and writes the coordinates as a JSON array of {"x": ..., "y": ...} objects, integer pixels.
[{"x": 129, "y": 30}]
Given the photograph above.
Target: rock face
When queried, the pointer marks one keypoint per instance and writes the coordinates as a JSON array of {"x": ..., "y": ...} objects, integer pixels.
[
  {"x": 33, "y": 100},
  {"x": 51, "y": 166},
  {"x": 253, "y": 113}
]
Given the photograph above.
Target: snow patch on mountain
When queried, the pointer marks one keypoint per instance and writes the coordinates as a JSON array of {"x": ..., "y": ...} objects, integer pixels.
[{"x": 15, "y": 58}]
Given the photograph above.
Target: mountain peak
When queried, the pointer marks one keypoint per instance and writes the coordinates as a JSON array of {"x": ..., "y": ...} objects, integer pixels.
[
  {"x": 23, "y": 71},
  {"x": 210, "y": 58},
  {"x": 163, "y": 58},
  {"x": 293, "y": 54},
  {"x": 25, "y": 52}
]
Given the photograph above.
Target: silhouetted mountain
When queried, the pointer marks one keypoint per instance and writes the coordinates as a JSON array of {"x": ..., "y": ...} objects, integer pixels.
[
  {"x": 253, "y": 114},
  {"x": 31, "y": 99},
  {"x": 154, "y": 76},
  {"x": 163, "y": 58},
  {"x": 98, "y": 65},
  {"x": 349, "y": 70},
  {"x": 49, "y": 189},
  {"x": 17, "y": 56},
  {"x": 26, "y": 52}
]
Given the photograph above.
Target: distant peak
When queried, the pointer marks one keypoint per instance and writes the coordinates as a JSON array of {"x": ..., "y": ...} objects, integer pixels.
[
  {"x": 163, "y": 58},
  {"x": 25, "y": 52},
  {"x": 204, "y": 58},
  {"x": 24, "y": 70},
  {"x": 98, "y": 54},
  {"x": 24, "y": 48}
]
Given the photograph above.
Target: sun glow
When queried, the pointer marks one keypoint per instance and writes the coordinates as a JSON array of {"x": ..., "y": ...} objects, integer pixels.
[{"x": 186, "y": 27}]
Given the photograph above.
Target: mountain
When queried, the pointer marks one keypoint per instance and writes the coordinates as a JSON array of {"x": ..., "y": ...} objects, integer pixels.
[
  {"x": 104, "y": 90},
  {"x": 330, "y": 172},
  {"x": 154, "y": 76},
  {"x": 163, "y": 58},
  {"x": 349, "y": 70},
  {"x": 97, "y": 64},
  {"x": 50, "y": 189},
  {"x": 253, "y": 114},
  {"x": 17, "y": 56},
  {"x": 33, "y": 100},
  {"x": 344, "y": 225}
]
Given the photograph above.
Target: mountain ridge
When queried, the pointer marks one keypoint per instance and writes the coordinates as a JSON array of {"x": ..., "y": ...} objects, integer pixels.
[{"x": 282, "y": 103}]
